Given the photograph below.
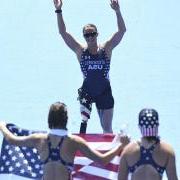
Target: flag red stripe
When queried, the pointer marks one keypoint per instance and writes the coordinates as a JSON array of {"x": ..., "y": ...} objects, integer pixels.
[
  {"x": 79, "y": 154},
  {"x": 97, "y": 137},
  {"x": 85, "y": 176},
  {"x": 110, "y": 166},
  {"x": 77, "y": 167}
]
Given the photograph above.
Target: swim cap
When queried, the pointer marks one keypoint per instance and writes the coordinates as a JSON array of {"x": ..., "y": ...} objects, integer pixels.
[{"x": 148, "y": 122}]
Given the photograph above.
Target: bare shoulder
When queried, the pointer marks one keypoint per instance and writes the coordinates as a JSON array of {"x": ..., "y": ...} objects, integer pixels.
[
  {"x": 107, "y": 50},
  {"x": 79, "y": 52},
  {"x": 167, "y": 148},
  {"x": 104, "y": 46},
  {"x": 80, "y": 49},
  {"x": 76, "y": 139},
  {"x": 130, "y": 148},
  {"x": 39, "y": 136}
]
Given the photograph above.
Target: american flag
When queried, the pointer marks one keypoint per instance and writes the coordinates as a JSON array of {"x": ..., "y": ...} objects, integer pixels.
[
  {"x": 21, "y": 161},
  {"x": 24, "y": 163},
  {"x": 87, "y": 169}
]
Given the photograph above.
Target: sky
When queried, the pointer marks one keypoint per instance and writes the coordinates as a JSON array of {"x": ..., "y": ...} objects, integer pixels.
[{"x": 37, "y": 69}]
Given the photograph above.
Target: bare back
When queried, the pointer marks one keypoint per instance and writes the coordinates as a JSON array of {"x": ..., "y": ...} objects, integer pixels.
[
  {"x": 148, "y": 172},
  {"x": 131, "y": 156},
  {"x": 145, "y": 172},
  {"x": 54, "y": 169}
]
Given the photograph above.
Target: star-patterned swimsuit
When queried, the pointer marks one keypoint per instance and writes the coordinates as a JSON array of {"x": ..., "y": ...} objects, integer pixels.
[
  {"x": 96, "y": 84},
  {"x": 146, "y": 158}
]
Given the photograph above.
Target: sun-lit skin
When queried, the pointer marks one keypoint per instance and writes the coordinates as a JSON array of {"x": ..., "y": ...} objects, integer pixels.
[
  {"x": 105, "y": 112},
  {"x": 54, "y": 170},
  {"x": 91, "y": 40},
  {"x": 162, "y": 153}
]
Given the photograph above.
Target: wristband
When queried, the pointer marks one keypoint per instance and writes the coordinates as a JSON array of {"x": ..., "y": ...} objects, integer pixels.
[{"x": 58, "y": 11}]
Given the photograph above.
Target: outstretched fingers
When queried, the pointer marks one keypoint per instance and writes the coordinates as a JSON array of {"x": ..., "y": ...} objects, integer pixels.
[
  {"x": 114, "y": 4},
  {"x": 57, "y": 4},
  {"x": 124, "y": 139}
]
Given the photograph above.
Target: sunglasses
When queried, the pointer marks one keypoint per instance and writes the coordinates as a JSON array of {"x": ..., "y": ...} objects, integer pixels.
[{"x": 91, "y": 34}]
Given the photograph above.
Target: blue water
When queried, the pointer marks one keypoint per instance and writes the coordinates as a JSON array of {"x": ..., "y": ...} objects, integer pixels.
[{"x": 37, "y": 69}]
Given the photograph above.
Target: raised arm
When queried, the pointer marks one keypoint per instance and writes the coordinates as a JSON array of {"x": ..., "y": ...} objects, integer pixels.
[
  {"x": 99, "y": 157},
  {"x": 29, "y": 141},
  {"x": 68, "y": 39},
  {"x": 117, "y": 36}
]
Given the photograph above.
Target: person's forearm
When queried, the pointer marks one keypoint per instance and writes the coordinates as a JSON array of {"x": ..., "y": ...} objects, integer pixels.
[
  {"x": 7, "y": 134},
  {"x": 61, "y": 25},
  {"x": 120, "y": 21},
  {"x": 108, "y": 156}
]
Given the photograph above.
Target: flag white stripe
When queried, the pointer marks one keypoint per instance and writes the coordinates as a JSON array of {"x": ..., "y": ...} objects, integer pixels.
[
  {"x": 83, "y": 108},
  {"x": 102, "y": 146},
  {"x": 116, "y": 160},
  {"x": 99, "y": 172},
  {"x": 99, "y": 145},
  {"x": 12, "y": 177},
  {"x": 85, "y": 161},
  {"x": 82, "y": 161}
]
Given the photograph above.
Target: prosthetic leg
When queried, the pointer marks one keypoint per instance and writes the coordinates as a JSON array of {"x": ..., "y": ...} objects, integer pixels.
[
  {"x": 85, "y": 109},
  {"x": 83, "y": 127}
]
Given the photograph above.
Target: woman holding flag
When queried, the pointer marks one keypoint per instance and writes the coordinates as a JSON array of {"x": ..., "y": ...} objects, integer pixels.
[{"x": 57, "y": 148}]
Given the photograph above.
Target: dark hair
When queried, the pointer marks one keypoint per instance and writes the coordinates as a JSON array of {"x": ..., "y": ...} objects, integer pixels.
[
  {"x": 58, "y": 116},
  {"x": 152, "y": 138},
  {"x": 91, "y": 25}
]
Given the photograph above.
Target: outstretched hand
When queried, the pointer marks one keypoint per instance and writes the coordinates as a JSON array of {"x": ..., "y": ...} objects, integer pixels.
[
  {"x": 58, "y": 4},
  {"x": 114, "y": 5},
  {"x": 124, "y": 139}
]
